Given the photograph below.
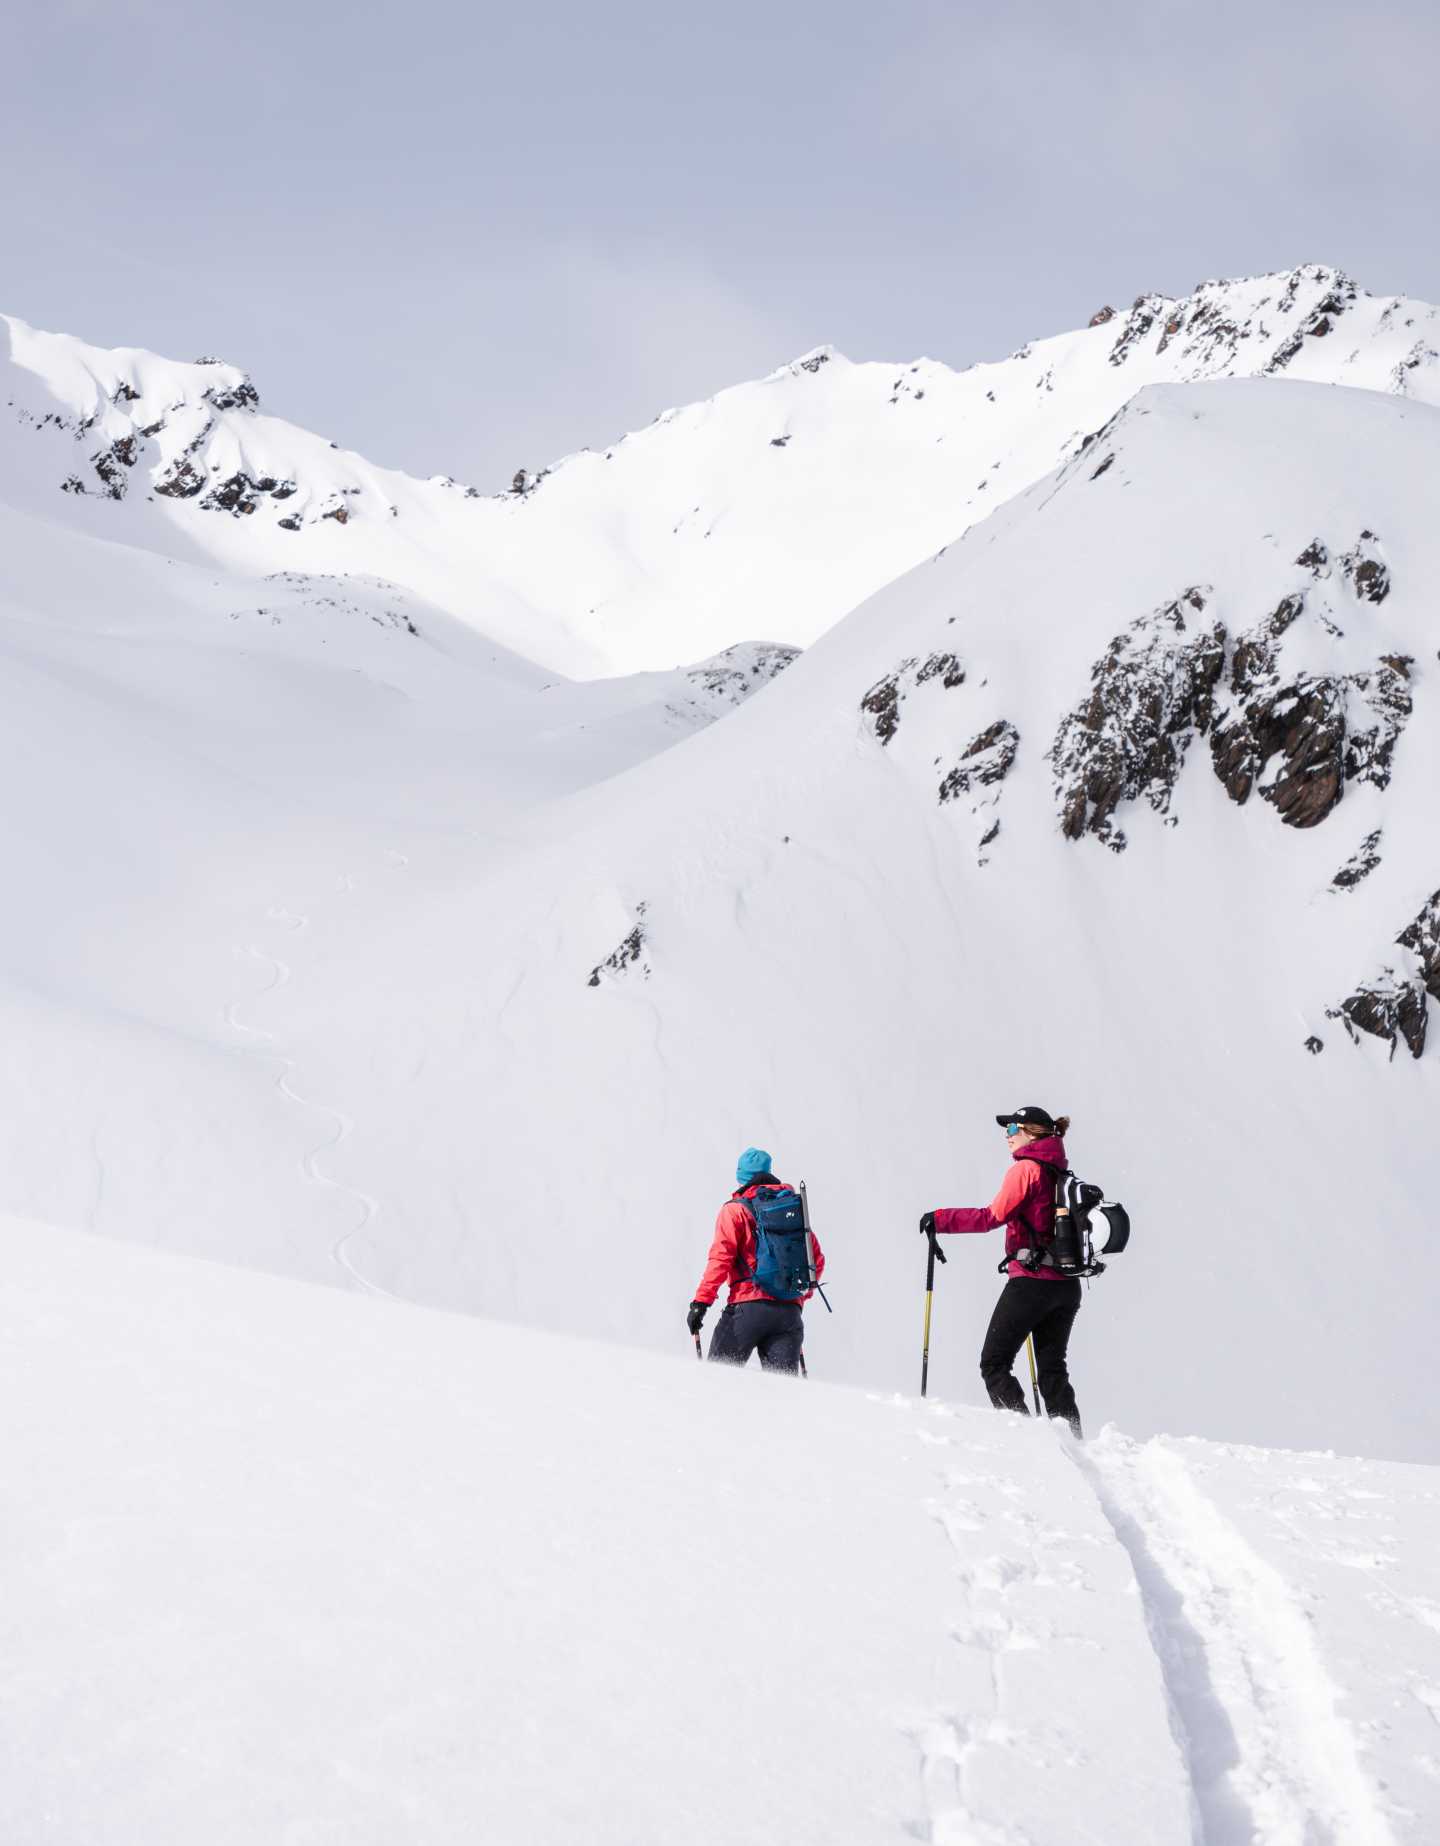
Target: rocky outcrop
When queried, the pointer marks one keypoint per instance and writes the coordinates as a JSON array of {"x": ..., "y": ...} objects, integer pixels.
[
  {"x": 1361, "y": 863},
  {"x": 1150, "y": 693},
  {"x": 239, "y": 495},
  {"x": 1317, "y": 323},
  {"x": 182, "y": 480},
  {"x": 1297, "y": 736},
  {"x": 1394, "y": 1006},
  {"x": 984, "y": 762},
  {"x": 243, "y": 396},
  {"x": 1365, "y": 570},
  {"x": 1302, "y": 723},
  {"x": 1419, "y": 356},
  {"x": 630, "y": 953},
  {"x": 112, "y": 464},
  {"x": 729, "y": 678},
  {"x": 1319, "y": 730},
  {"x": 881, "y": 704},
  {"x": 1212, "y": 327}
]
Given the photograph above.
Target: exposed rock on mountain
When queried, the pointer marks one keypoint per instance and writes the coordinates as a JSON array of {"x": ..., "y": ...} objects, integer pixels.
[
  {"x": 1316, "y": 324},
  {"x": 983, "y": 766},
  {"x": 1298, "y": 736},
  {"x": 731, "y": 677},
  {"x": 182, "y": 480},
  {"x": 881, "y": 704},
  {"x": 240, "y": 495},
  {"x": 1322, "y": 730},
  {"x": 112, "y": 465},
  {"x": 985, "y": 761},
  {"x": 1395, "y": 1005},
  {"x": 238, "y": 396},
  {"x": 1361, "y": 863},
  {"x": 629, "y": 954},
  {"x": 1153, "y": 689}
]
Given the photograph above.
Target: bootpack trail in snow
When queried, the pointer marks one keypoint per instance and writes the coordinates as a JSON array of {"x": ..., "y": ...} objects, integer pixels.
[
  {"x": 1253, "y": 1708},
  {"x": 1264, "y": 1753},
  {"x": 344, "y": 1128}
]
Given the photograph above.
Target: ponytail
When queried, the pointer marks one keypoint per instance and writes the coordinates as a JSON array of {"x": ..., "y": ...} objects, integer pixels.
[{"x": 1062, "y": 1126}]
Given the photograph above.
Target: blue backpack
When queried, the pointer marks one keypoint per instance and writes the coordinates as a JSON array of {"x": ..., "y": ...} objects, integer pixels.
[{"x": 784, "y": 1256}]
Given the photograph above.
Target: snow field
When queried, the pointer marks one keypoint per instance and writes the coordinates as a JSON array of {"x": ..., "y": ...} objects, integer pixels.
[
  {"x": 437, "y": 1102},
  {"x": 829, "y": 971},
  {"x": 288, "y": 1565}
]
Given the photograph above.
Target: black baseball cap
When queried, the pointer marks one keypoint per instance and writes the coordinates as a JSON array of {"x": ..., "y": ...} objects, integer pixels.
[{"x": 1032, "y": 1115}]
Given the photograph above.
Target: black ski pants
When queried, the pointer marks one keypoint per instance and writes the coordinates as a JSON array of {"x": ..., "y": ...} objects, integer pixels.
[
  {"x": 1047, "y": 1310},
  {"x": 774, "y": 1329}
]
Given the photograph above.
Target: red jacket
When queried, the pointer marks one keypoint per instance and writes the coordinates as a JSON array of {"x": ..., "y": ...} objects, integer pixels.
[
  {"x": 732, "y": 1254},
  {"x": 1025, "y": 1205}
]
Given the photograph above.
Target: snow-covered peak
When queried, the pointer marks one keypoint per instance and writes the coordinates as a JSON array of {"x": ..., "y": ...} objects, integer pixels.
[
  {"x": 88, "y": 382},
  {"x": 769, "y": 509}
]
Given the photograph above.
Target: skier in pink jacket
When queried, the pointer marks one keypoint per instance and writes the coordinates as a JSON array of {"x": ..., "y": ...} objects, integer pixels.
[
  {"x": 751, "y": 1321},
  {"x": 1036, "y": 1301}
]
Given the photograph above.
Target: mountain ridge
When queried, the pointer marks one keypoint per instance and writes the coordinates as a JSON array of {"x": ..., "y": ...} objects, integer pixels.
[{"x": 763, "y": 513}]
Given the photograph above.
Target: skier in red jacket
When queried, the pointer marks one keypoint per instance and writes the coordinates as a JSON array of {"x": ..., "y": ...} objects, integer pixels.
[
  {"x": 1036, "y": 1300},
  {"x": 751, "y": 1321}
]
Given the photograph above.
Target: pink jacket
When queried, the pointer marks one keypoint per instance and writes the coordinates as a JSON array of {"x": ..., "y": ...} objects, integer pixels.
[
  {"x": 732, "y": 1254},
  {"x": 1025, "y": 1205}
]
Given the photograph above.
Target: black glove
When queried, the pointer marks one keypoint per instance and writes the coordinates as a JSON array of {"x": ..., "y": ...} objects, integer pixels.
[
  {"x": 927, "y": 1225},
  {"x": 696, "y": 1315}
]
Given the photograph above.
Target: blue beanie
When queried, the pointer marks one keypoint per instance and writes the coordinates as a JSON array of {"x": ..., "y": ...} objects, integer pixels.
[{"x": 753, "y": 1164}]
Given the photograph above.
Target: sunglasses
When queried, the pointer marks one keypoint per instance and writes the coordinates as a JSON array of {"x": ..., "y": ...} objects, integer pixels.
[{"x": 1013, "y": 1128}]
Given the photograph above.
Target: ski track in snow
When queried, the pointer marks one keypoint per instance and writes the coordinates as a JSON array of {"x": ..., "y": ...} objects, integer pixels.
[
  {"x": 343, "y": 1126},
  {"x": 1271, "y": 1760}
]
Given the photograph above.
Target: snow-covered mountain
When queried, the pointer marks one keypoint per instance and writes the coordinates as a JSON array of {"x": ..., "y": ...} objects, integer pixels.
[
  {"x": 345, "y": 940},
  {"x": 766, "y": 512},
  {"x": 803, "y": 927}
]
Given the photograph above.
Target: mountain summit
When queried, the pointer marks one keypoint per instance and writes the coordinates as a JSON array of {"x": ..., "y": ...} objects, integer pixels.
[{"x": 767, "y": 511}]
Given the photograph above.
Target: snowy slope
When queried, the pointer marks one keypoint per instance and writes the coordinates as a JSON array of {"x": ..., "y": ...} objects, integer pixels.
[
  {"x": 768, "y": 511},
  {"x": 192, "y": 760},
  {"x": 781, "y": 932},
  {"x": 280, "y": 1564},
  {"x": 342, "y": 941}
]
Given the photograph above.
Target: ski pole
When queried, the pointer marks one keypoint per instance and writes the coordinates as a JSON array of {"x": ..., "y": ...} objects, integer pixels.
[
  {"x": 1034, "y": 1383},
  {"x": 810, "y": 1248},
  {"x": 935, "y": 1251},
  {"x": 698, "y": 1354},
  {"x": 803, "y": 1372}
]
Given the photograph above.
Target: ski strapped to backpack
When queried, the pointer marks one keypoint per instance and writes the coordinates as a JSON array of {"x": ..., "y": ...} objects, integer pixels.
[
  {"x": 1071, "y": 1245},
  {"x": 784, "y": 1249}
]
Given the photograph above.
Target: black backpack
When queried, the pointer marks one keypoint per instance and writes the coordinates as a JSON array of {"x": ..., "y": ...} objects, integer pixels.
[{"x": 1070, "y": 1247}]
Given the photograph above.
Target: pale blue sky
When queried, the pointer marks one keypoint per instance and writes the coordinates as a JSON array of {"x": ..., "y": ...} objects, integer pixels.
[{"x": 467, "y": 238}]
